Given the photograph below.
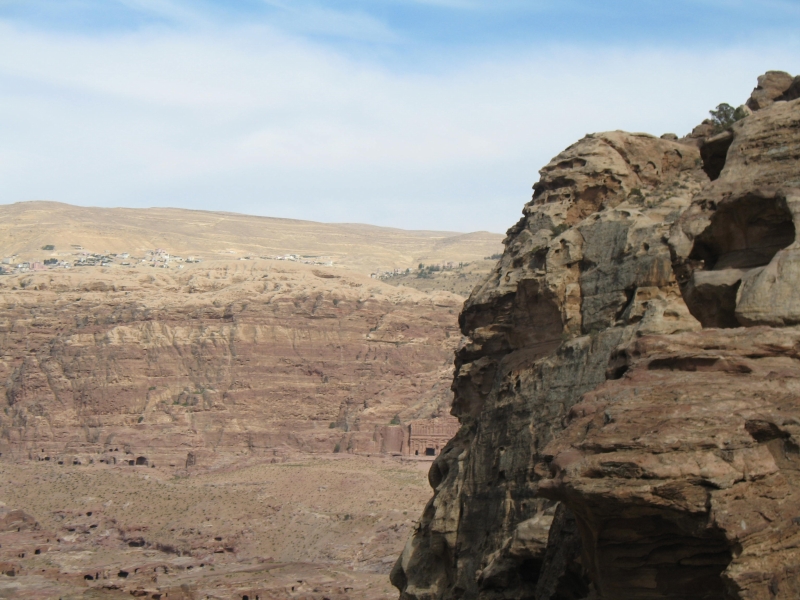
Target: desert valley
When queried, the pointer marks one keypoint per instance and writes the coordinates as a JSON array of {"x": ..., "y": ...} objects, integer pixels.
[
  {"x": 263, "y": 403},
  {"x": 603, "y": 404}
]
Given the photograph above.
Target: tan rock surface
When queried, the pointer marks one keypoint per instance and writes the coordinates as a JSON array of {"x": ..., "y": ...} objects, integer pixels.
[
  {"x": 222, "y": 357},
  {"x": 617, "y": 440},
  {"x": 685, "y": 471}
]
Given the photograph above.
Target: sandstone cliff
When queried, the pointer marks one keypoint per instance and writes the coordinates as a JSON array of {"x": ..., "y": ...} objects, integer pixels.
[
  {"x": 221, "y": 358},
  {"x": 630, "y": 426}
]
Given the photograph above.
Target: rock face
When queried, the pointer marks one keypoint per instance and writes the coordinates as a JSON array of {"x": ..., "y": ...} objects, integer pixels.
[
  {"x": 628, "y": 391},
  {"x": 226, "y": 357}
]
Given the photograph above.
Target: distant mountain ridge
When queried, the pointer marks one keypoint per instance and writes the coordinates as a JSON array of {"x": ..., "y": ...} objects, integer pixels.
[{"x": 27, "y": 227}]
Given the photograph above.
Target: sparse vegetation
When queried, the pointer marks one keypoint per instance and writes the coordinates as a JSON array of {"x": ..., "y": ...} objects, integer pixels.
[
  {"x": 724, "y": 116},
  {"x": 636, "y": 195}
]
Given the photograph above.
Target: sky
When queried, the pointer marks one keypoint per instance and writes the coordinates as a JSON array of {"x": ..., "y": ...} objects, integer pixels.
[{"x": 418, "y": 114}]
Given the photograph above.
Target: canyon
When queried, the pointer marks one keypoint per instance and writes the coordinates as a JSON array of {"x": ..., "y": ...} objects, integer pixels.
[
  {"x": 218, "y": 424},
  {"x": 628, "y": 385}
]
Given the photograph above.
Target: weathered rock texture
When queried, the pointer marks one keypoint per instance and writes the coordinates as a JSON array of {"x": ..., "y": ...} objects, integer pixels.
[
  {"x": 231, "y": 357},
  {"x": 628, "y": 394}
]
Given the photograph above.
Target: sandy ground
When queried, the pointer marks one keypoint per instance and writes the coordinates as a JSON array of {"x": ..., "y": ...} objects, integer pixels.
[{"x": 307, "y": 526}]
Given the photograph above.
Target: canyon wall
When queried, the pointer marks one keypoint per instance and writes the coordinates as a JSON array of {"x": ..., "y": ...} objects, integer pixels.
[
  {"x": 232, "y": 357},
  {"x": 628, "y": 388}
]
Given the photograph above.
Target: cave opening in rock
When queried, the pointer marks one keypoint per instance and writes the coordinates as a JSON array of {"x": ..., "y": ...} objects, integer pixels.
[
  {"x": 744, "y": 234},
  {"x": 714, "y": 153},
  {"x": 430, "y": 452},
  {"x": 141, "y": 460},
  {"x": 679, "y": 562}
]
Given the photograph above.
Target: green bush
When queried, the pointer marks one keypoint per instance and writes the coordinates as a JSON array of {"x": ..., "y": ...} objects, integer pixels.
[
  {"x": 337, "y": 448},
  {"x": 395, "y": 420},
  {"x": 725, "y": 115}
]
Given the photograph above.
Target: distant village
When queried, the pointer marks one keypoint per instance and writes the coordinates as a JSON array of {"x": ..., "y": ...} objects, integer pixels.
[
  {"x": 423, "y": 271},
  {"x": 78, "y": 257}
]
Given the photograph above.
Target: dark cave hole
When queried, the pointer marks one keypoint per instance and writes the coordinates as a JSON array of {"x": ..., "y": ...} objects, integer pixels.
[
  {"x": 430, "y": 452},
  {"x": 714, "y": 153},
  {"x": 141, "y": 461},
  {"x": 122, "y": 574},
  {"x": 683, "y": 564},
  {"x": 743, "y": 234}
]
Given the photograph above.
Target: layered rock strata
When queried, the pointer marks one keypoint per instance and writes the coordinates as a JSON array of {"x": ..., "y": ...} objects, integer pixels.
[
  {"x": 628, "y": 391},
  {"x": 230, "y": 357}
]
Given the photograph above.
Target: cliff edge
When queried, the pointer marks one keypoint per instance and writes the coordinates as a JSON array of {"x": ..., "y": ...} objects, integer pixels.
[{"x": 628, "y": 389}]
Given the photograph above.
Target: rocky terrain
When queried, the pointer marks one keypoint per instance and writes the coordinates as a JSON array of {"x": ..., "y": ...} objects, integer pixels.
[
  {"x": 163, "y": 424},
  {"x": 460, "y": 280},
  {"x": 217, "y": 426},
  {"x": 221, "y": 358},
  {"x": 257, "y": 528},
  {"x": 628, "y": 392}
]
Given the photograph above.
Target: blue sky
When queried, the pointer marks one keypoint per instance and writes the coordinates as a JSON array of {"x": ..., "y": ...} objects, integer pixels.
[{"x": 431, "y": 114}]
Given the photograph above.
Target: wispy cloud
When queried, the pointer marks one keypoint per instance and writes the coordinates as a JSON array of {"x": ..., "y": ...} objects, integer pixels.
[{"x": 260, "y": 118}]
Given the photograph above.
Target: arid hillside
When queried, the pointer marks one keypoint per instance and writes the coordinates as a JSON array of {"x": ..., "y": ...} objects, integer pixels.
[{"x": 27, "y": 227}]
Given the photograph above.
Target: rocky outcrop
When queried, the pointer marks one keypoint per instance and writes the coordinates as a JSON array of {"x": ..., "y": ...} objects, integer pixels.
[
  {"x": 627, "y": 390},
  {"x": 229, "y": 357}
]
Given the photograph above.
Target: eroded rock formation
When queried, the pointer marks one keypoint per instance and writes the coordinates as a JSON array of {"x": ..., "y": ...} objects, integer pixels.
[
  {"x": 628, "y": 391},
  {"x": 229, "y": 357}
]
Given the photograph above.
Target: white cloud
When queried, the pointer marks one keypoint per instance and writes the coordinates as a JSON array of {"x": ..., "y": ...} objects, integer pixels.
[{"x": 253, "y": 120}]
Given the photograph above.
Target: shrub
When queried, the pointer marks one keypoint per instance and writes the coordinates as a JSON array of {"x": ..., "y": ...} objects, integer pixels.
[
  {"x": 337, "y": 448},
  {"x": 636, "y": 194},
  {"x": 725, "y": 115},
  {"x": 395, "y": 420},
  {"x": 49, "y": 247}
]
